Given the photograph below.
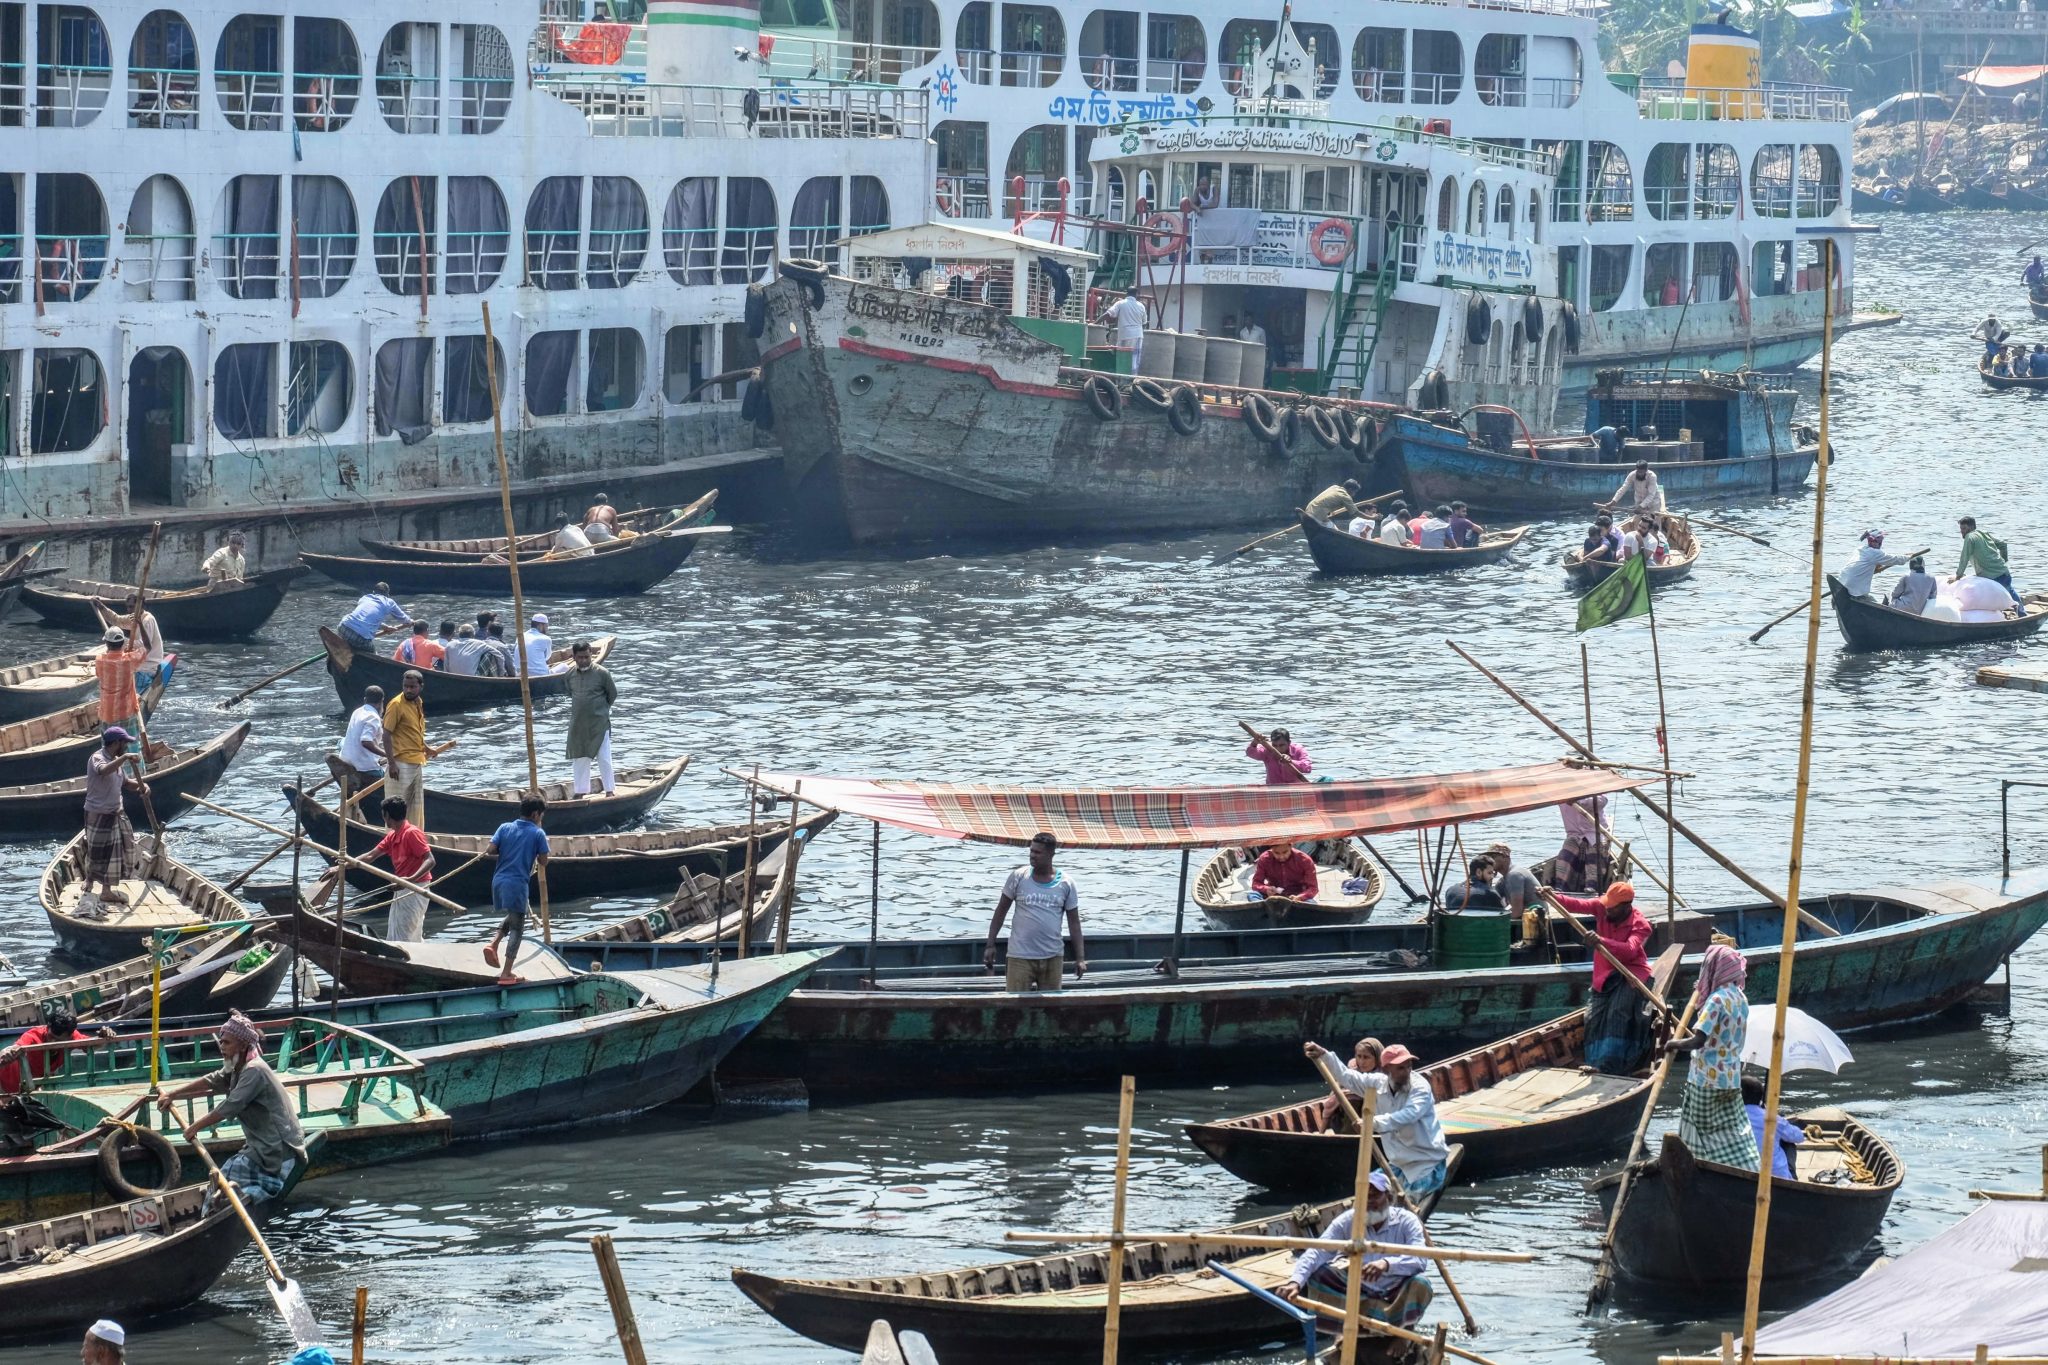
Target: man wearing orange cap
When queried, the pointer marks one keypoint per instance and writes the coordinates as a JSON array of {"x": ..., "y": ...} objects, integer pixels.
[
  {"x": 1407, "y": 1126},
  {"x": 1618, "y": 1033}
]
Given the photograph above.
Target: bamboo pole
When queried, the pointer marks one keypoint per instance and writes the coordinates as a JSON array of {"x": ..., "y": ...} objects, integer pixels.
[
  {"x": 1553, "y": 908},
  {"x": 355, "y": 1335},
  {"x": 336, "y": 854},
  {"x": 1263, "y": 1242},
  {"x": 753, "y": 855},
  {"x": 1112, "y": 1329},
  {"x": 1664, "y": 750},
  {"x": 1692, "y": 837},
  {"x": 1761, "y": 1225},
  {"x": 1361, "y": 1193},
  {"x": 1403, "y": 1334},
  {"x": 547, "y": 931},
  {"x": 621, "y": 1301},
  {"x": 156, "y": 826},
  {"x": 298, "y": 897},
  {"x": 789, "y": 856}
]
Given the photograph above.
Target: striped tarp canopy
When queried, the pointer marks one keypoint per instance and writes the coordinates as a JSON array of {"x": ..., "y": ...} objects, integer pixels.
[{"x": 1201, "y": 817}]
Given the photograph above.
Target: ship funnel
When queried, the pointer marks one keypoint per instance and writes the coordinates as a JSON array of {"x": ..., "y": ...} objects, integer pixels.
[
  {"x": 703, "y": 42},
  {"x": 1723, "y": 65}
]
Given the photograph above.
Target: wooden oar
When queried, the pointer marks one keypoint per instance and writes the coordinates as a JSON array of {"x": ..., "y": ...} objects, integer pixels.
[
  {"x": 284, "y": 1292},
  {"x": 265, "y": 860},
  {"x": 1327, "y": 1066},
  {"x": 1336, "y": 1315},
  {"x": 1718, "y": 526},
  {"x": 1226, "y": 556},
  {"x": 1603, "y": 1273},
  {"x": 1410, "y": 892},
  {"x": 281, "y": 674},
  {"x": 338, "y": 855},
  {"x": 156, "y": 826},
  {"x": 1777, "y": 621}
]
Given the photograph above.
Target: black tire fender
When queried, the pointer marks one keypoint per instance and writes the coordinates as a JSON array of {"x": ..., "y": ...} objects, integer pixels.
[
  {"x": 1571, "y": 328},
  {"x": 1261, "y": 416},
  {"x": 1289, "y": 439},
  {"x": 809, "y": 275},
  {"x": 1185, "y": 416},
  {"x": 756, "y": 314},
  {"x": 1323, "y": 426},
  {"x": 1105, "y": 400},
  {"x": 155, "y": 1145},
  {"x": 1532, "y": 322},
  {"x": 1478, "y": 320},
  {"x": 1151, "y": 395},
  {"x": 1365, "y": 436}
]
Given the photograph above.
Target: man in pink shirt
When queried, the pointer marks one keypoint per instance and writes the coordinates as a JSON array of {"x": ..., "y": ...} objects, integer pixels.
[
  {"x": 1293, "y": 767},
  {"x": 1618, "y": 1037}
]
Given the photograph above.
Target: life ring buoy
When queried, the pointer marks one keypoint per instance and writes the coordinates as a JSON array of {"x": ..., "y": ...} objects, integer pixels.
[
  {"x": 755, "y": 311},
  {"x": 1151, "y": 395},
  {"x": 154, "y": 1145},
  {"x": 1261, "y": 416},
  {"x": 1105, "y": 400},
  {"x": 946, "y": 195},
  {"x": 1160, "y": 236},
  {"x": 1322, "y": 425},
  {"x": 1330, "y": 241},
  {"x": 1185, "y": 416}
]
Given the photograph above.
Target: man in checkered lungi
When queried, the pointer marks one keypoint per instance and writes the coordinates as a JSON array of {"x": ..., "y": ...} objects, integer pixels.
[
  {"x": 1713, "y": 1122},
  {"x": 107, "y": 836}
]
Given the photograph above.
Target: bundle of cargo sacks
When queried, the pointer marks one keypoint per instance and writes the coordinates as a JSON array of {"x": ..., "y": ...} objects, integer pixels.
[{"x": 1969, "y": 598}]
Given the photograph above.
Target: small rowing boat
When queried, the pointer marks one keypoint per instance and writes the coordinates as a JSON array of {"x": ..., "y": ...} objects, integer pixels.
[
  {"x": 1340, "y": 552},
  {"x": 1518, "y": 1104},
  {"x": 16, "y": 572},
  {"x": 474, "y": 549},
  {"x": 355, "y": 670},
  {"x": 56, "y": 810},
  {"x": 39, "y": 687},
  {"x": 1685, "y": 552},
  {"x": 2029, "y": 383},
  {"x": 166, "y": 895},
  {"x": 617, "y": 568},
  {"x": 1867, "y": 625},
  {"x": 210, "y": 972},
  {"x": 203, "y": 611},
  {"x": 53, "y": 747},
  {"x": 639, "y": 791},
  {"x": 1223, "y": 890}
]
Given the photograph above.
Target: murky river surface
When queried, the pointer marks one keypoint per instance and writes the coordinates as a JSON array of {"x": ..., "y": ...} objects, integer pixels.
[{"x": 1129, "y": 662}]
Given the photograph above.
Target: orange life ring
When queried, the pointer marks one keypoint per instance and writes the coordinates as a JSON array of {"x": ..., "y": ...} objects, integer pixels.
[
  {"x": 1161, "y": 235},
  {"x": 1330, "y": 241},
  {"x": 946, "y": 194}
]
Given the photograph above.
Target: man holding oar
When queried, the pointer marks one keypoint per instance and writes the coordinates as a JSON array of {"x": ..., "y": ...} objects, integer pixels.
[
  {"x": 369, "y": 616},
  {"x": 107, "y": 837},
  {"x": 1859, "y": 573},
  {"x": 411, "y": 858},
  {"x": 274, "y": 1145},
  {"x": 1336, "y": 501},
  {"x": 1618, "y": 1025},
  {"x": 405, "y": 730},
  {"x": 1285, "y": 760},
  {"x": 1384, "y": 1277}
]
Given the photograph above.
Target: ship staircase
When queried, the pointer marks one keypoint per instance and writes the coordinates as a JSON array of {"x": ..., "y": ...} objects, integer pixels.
[{"x": 1358, "y": 309}]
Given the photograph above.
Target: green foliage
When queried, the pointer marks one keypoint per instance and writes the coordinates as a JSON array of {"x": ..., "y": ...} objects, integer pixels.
[{"x": 1644, "y": 36}]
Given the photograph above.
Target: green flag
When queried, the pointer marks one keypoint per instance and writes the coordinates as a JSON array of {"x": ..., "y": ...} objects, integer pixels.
[{"x": 1623, "y": 594}]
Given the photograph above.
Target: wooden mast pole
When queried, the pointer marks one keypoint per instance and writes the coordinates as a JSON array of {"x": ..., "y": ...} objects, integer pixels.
[
  {"x": 1664, "y": 751},
  {"x": 1113, "y": 1330},
  {"x": 1761, "y": 1226}
]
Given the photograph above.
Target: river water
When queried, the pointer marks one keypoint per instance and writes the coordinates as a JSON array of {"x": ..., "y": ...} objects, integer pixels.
[{"x": 1129, "y": 662}]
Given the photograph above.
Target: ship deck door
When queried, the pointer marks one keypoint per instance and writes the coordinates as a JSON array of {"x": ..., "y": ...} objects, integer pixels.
[{"x": 159, "y": 419}]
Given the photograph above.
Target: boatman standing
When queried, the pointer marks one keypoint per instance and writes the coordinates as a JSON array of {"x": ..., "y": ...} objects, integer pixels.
[
  {"x": 107, "y": 836},
  {"x": 591, "y": 694},
  {"x": 115, "y": 669},
  {"x": 150, "y": 637},
  {"x": 362, "y": 744},
  {"x": 1044, "y": 899},
  {"x": 1639, "y": 492},
  {"x": 405, "y": 730},
  {"x": 1711, "y": 1121},
  {"x": 226, "y": 565},
  {"x": 274, "y": 1145},
  {"x": 1407, "y": 1126},
  {"x": 521, "y": 847},
  {"x": 1870, "y": 559},
  {"x": 1618, "y": 1027},
  {"x": 1382, "y": 1278},
  {"x": 1986, "y": 553},
  {"x": 1336, "y": 501},
  {"x": 1285, "y": 762},
  {"x": 1128, "y": 313},
  {"x": 369, "y": 615},
  {"x": 411, "y": 858}
]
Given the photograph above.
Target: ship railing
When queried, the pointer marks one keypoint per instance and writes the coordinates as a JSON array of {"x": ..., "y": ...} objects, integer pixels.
[
  {"x": 69, "y": 267},
  {"x": 248, "y": 264},
  {"x": 410, "y": 104},
  {"x": 402, "y": 257},
  {"x": 13, "y": 93},
  {"x": 1434, "y": 87},
  {"x": 71, "y": 96},
  {"x": 10, "y": 267},
  {"x": 160, "y": 265},
  {"x": 1168, "y": 76},
  {"x": 482, "y": 102},
  {"x": 1029, "y": 69},
  {"x": 1942, "y": 19},
  {"x": 977, "y": 65},
  {"x": 691, "y": 254},
  {"x": 781, "y": 109},
  {"x": 551, "y": 259},
  {"x": 325, "y": 260},
  {"x": 1041, "y": 195},
  {"x": 1534, "y": 92},
  {"x": 323, "y": 102},
  {"x": 163, "y": 97},
  {"x": 796, "y": 56},
  {"x": 1669, "y": 97},
  {"x": 748, "y": 253},
  {"x": 1610, "y": 204},
  {"x": 961, "y": 194},
  {"x": 1577, "y": 8},
  {"x": 1109, "y": 70},
  {"x": 252, "y": 100},
  {"x": 474, "y": 260},
  {"x": 613, "y": 256}
]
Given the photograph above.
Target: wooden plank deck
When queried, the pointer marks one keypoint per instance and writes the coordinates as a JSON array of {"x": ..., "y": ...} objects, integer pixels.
[{"x": 2023, "y": 677}]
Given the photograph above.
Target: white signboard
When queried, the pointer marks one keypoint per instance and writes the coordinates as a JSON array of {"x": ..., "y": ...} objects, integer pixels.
[
  {"x": 1488, "y": 261},
  {"x": 1240, "y": 138}
]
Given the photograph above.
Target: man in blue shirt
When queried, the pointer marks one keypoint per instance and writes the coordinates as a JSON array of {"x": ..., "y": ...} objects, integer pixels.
[
  {"x": 2037, "y": 363},
  {"x": 376, "y": 607},
  {"x": 1789, "y": 1137},
  {"x": 520, "y": 847}
]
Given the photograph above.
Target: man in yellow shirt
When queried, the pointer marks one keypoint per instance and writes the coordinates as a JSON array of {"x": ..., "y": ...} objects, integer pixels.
[{"x": 405, "y": 741}]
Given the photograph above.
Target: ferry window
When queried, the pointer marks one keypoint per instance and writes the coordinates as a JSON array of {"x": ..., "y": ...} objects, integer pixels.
[
  {"x": 1664, "y": 279},
  {"x": 479, "y": 234},
  {"x": 1039, "y": 158},
  {"x": 245, "y": 249},
  {"x": 1610, "y": 184},
  {"x": 163, "y": 73},
  {"x": 689, "y": 231},
  {"x": 1565, "y": 202},
  {"x": 749, "y": 230},
  {"x": 1820, "y": 180},
  {"x": 1238, "y": 192},
  {"x": 1273, "y": 196},
  {"x": 404, "y": 399},
  {"x": 1667, "y": 181},
  {"x": 1568, "y": 273},
  {"x": 74, "y": 66},
  {"x": 1379, "y": 65},
  {"x": 971, "y": 43},
  {"x": 1200, "y": 181},
  {"x": 1714, "y": 268},
  {"x": 1608, "y": 275},
  {"x": 1475, "y": 210},
  {"x": 245, "y": 391},
  {"x": 1034, "y": 40},
  {"x": 1500, "y": 70},
  {"x": 483, "y": 89},
  {"x": 550, "y": 361},
  {"x": 1326, "y": 190},
  {"x": 10, "y": 401},
  {"x": 1439, "y": 66},
  {"x": 465, "y": 382},
  {"x": 1717, "y": 181},
  {"x": 614, "y": 367},
  {"x": 867, "y": 205},
  {"x": 248, "y": 72},
  {"x": 1770, "y": 269},
  {"x": 796, "y": 14},
  {"x": 686, "y": 363},
  {"x": 319, "y": 392},
  {"x": 1109, "y": 50},
  {"x": 327, "y": 75},
  {"x": 324, "y": 219},
  {"x": 158, "y": 249},
  {"x": 409, "y": 78},
  {"x": 403, "y": 239},
  {"x": 1504, "y": 209},
  {"x": 1556, "y": 72},
  {"x": 1535, "y": 215},
  {"x": 1176, "y": 54},
  {"x": 1447, "y": 205},
  {"x": 1242, "y": 41},
  {"x": 963, "y": 169},
  {"x": 71, "y": 237},
  {"x": 65, "y": 412},
  {"x": 910, "y": 34},
  {"x": 1325, "y": 54},
  {"x": 618, "y": 232},
  {"x": 814, "y": 220},
  {"x": 554, "y": 223},
  {"x": 1770, "y": 180}
]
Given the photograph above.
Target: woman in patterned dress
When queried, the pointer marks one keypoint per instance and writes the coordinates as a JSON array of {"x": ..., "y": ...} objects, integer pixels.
[{"x": 1713, "y": 1123}]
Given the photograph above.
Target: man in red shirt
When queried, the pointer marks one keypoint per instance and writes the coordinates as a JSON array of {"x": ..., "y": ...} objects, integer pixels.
[
  {"x": 115, "y": 670},
  {"x": 1284, "y": 870},
  {"x": 16, "y": 1058},
  {"x": 1618, "y": 1034},
  {"x": 405, "y": 844}
]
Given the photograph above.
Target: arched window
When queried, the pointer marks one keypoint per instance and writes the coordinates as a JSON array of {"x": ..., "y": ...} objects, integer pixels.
[
  {"x": 1379, "y": 65},
  {"x": 245, "y": 391},
  {"x": 618, "y": 232},
  {"x": 324, "y": 217},
  {"x": 1717, "y": 181},
  {"x": 483, "y": 84},
  {"x": 248, "y": 72},
  {"x": 479, "y": 234},
  {"x": 1176, "y": 54},
  {"x": 974, "y": 43},
  {"x": 1610, "y": 184},
  {"x": 320, "y": 391},
  {"x": 1500, "y": 70},
  {"x": 689, "y": 231},
  {"x": 1820, "y": 180},
  {"x": 1039, "y": 158},
  {"x": 74, "y": 66},
  {"x": 615, "y": 370},
  {"x": 67, "y": 409},
  {"x": 750, "y": 219},
  {"x": 867, "y": 206},
  {"x": 163, "y": 73},
  {"x": 1475, "y": 210},
  {"x": 158, "y": 247},
  {"x": 409, "y": 78},
  {"x": 327, "y": 75},
  {"x": 554, "y": 230},
  {"x": 1667, "y": 181},
  {"x": 1034, "y": 46},
  {"x": 245, "y": 245},
  {"x": 1504, "y": 210},
  {"x": 468, "y": 366},
  {"x": 404, "y": 239},
  {"x": 1447, "y": 205},
  {"x": 814, "y": 221},
  {"x": 1439, "y": 66}
]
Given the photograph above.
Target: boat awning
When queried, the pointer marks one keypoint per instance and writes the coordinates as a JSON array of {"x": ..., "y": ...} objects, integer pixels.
[
  {"x": 1984, "y": 1282},
  {"x": 1201, "y": 817},
  {"x": 2003, "y": 77}
]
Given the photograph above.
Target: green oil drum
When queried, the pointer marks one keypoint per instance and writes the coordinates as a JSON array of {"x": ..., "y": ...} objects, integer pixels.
[{"x": 1469, "y": 940}]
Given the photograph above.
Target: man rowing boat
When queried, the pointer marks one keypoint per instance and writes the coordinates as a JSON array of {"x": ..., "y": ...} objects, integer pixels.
[
  {"x": 274, "y": 1145},
  {"x": 1381, "y": 1278},
  {"x": 1639, "y": 492}
]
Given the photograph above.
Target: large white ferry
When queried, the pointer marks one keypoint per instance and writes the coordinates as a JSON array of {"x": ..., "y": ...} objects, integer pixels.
[{"x": 245, "y": 251}]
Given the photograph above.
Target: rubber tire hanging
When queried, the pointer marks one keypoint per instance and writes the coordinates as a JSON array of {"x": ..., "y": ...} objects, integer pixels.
[
  {"x": 154, "y": 1145},
  {"x": 1105, "y": 400},
  {"x": 1185, "y": 416}
]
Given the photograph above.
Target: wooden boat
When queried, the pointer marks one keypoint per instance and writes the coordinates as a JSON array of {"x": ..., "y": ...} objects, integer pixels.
[
  {"x": 1053, "y": 1307},
  {"x": 923, "y": 1016},
  {"x": 56, "y": 810},
  {"x": 2037, "y": 302},
  {"x": 1340, "y": 552},
  {"x": 34, "y": 689},
  {"x": 613, "y": 569},
  {"x": 204, "y": 973},
  {"x": 1673, "y": 1228},
  {"x": 578, "y": 864},
  {"x": 1522, "y": 1103},
  {"x": 54, "y": 747},
  {"x": 1685, "y": 552},
  {"x": 354, "y": 670},
  {"x": 174, "y": 898},
  {"x": 149, "y": 1256},
  {"x": 2026, "y": 383},
  {"x": 639, "y": 791},
  {"x": 14, "y": 573},
  {"x": 1867, "y": 625},
  {"x": 203, "y": 611},
  {"x": 474, "y": 549},
  {"x": 1225, "y": 882}
]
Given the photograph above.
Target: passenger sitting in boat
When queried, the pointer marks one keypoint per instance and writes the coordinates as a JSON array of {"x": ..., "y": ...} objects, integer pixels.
[
  {"x": 1582, "y": 863},
  {"x": 1362, "y": 1074},
  {"x": 1284, "y": 870},
  {"x": 602, "y": 513},
  {"x": 359, "y": 628},
  {"x": 1516, "y": 886},
  {"x": 1639, "y": 492},
  {"x": 1435, "y": 531},
  {"x": 1394, "y": 526},
  {"x": 1285, "y": 762},
  {"x": 25, "y": 1057},
  {"x": 1409, "y": 1133},
  {"x": 2001, "y": 366},
  {"x": 1465, "y": 532},
  {"x": 419, "y": 649},
  {"x": 598, "y": 532},
  {"x": 1599, "y": 546},
  {"x": 1476, "y": 891},
  {"x": 1382, "y": 1278},
  {"x": 465, "y": 653},
  {"x": 1915, "y": 590},
  {"x": 1870, "y": 559},
  {"x": 1785, "y": 1151},
  {"x": 1362, "y": 525},
  {"x": 1618, "y": 1024},
  {"x": 1335, "y": 501},
  {"x": 2037, "y": 363},
  {"x": 1644, "y": 538},
  {"x": 569, "y": 539}
]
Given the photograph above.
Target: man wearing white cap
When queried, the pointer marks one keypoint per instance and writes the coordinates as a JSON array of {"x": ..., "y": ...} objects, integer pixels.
[
  {"x": 1870, "y": 559},
  {"x": 105, "y": 1344},
  {"x": 537, "y": 645},
  {"x": 275, "y": 1146},
  {"x": 1384, "y": 1276}
]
